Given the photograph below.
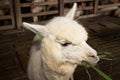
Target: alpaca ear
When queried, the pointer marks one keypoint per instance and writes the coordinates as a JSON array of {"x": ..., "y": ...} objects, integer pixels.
[
  {"x": 72, "y": 11},
  {"x": 38, "y": 29}
]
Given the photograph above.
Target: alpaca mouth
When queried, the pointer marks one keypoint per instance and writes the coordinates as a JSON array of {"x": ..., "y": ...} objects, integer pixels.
[
  {"x": 92, "y": 61},
  {"x": 84, "y": 63}
]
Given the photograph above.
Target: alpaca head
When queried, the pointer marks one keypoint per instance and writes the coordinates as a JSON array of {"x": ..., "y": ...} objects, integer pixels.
[{"x": 64, "y": 40}]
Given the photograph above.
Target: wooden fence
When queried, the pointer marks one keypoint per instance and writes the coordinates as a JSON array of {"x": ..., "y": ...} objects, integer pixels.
[
  {"x": 22, "y": 11},
  {"x": 7, "y": 19}
]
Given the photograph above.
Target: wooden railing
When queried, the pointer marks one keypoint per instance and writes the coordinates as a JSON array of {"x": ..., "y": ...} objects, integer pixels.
[
  {"x": 7, "y": 21},
  {"x": 17, "y": 17}
]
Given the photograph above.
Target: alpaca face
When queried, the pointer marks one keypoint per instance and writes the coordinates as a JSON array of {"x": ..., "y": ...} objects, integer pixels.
[
  {"x": 71, "y": 38},
  {"x": 64, "y": 40}
]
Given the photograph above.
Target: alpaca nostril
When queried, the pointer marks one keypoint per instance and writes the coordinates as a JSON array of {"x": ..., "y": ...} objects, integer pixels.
[{"x": 92, "y": 56}]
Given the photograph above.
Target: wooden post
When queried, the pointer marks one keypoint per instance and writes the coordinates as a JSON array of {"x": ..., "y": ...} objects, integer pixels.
[
  {"x": 96, "y": 6},
  {"x": 61, "y": 7},
  {"x": 18, "y": 13},
  {"x": 12, "y": 14}
]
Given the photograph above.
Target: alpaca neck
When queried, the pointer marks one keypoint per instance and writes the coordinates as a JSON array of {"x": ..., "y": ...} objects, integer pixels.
[{"x": 50, "y": 74}]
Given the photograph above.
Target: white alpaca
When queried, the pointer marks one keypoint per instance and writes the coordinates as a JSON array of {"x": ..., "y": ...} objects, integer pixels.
[
  {"x": 37, "y": 9},
  {"x": 62, "y": 48}
]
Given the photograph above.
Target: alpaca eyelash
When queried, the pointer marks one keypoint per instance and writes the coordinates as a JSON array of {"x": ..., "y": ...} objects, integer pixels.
[{"x": 66, "y": 44}]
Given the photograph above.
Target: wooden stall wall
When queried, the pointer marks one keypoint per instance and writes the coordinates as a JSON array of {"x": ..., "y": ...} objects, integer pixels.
[
  {"x": 51, "y": 8},
  {"x": 7, "y": 18},
  {"x": 23, "y": 10}
]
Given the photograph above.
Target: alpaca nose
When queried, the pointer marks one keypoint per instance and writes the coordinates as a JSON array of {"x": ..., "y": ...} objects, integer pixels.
[{"x": 93, "y": 58}]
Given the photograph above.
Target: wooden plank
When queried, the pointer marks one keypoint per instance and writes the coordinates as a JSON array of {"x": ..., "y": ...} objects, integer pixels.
[
  {"x": 6, "y": 63},
  {"x": 109, "y": 25},
  {"x": 97, "y": 28},
  {"x": 39, "y": 4},
  {"x": 104, "y": 31},
  {"x": 9, "y": 74},
  {"x": 72, "y": 1},
  {"x": 18, "y": 13},
  {"x": 61, "y": 7},
  {"x": 21, "y": 77},
  {"x": 5, "y": 6},
  {"x": 108, "y": 5},
  {"x": 87, "y": 16},
  {"x": 86, "y": 8},
  {"x": 96, "y": 2},
  {"x": 115, "y": 20},
  {"x": 5, "y": 49},
  {"x": 5, "y": 17},
  {"x": 11, "y": 31},
  {"x": 22, "y": 50},
  {"x": 40, "y": 13},
  {"x": 15, "y": 37},
  {"x": 7, "y": 27},
  {"x": 12, "y": 13}
]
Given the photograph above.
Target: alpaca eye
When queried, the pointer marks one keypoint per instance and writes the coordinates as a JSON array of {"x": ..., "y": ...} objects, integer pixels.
[{"x": 65, "y": 44}]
